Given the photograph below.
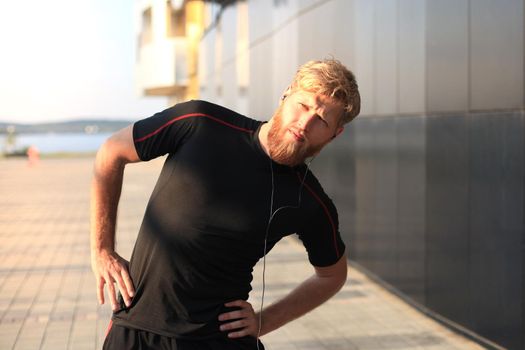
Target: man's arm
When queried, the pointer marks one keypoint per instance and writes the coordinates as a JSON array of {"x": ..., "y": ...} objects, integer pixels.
[
  {"x": 314, "y": 291},
  {"x": 107, "y": 265}
]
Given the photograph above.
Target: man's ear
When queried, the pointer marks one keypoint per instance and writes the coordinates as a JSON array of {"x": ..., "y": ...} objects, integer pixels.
[{"x": 286, "y": 93}]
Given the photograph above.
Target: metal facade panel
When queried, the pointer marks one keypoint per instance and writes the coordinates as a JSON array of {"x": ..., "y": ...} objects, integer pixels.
[
  {"x": 343, "y": 21},
  {"x": 316, "y": 38},
  {"x": 411, "y": 141},
  {"x": 229, "y": 88},
  {"x": 228, "y": 28},
  {"x": 496, "y": 56},
  {"x": 362, "y": 248},
  {"x": 386, "y": 194},
  {"x": 447, "y": 208},
  {"x": 261, "y": 98},
  {"x": 376, "y": 193},
  {"x": 260, "y": 19},
  {"x": 285, "y": 54},
  {"x": 496, "y": 226},
  {"x": 412, "y": 79},
  {"x": 285, "y": 43},
  {"x": 447, "y": 56},
  {"x": 344, "y": 173},
  {"x": 459, "y": 227},
  {"x": 344, "y": 152},
  {"x": 205, "y": 70},
  {"x": 386, "y": 57},
  {"x": 364, "y": 54}
]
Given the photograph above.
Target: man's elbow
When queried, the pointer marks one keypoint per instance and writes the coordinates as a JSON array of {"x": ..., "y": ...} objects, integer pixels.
[
  {"x": 338, "y": 275},
  {"x": 340, "y": 278},
  {"x": 108, "y": 156},
  {"x": 117, "y": 150},
  {"x": 335, "y": 274}
]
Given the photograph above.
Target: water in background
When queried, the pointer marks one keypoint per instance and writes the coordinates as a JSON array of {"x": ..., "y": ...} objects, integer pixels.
[{"x": 58, "y": 143}]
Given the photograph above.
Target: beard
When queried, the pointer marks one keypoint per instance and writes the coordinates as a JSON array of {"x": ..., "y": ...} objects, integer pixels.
[{"x": 285, "y": 151}]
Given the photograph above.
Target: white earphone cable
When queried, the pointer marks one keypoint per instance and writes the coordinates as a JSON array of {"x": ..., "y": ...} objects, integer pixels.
[{"x": 272, "y": 214}]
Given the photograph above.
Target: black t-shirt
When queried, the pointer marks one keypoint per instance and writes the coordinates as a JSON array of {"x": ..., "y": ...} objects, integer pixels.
[{"x": 206, "y": 221}]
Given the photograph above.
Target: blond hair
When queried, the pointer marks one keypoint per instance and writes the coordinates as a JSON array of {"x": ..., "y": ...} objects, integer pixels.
[{"x": 330, "y": 78}]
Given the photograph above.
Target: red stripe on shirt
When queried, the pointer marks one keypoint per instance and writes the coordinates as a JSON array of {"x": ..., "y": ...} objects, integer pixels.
[
  {"x": 189, "y": 116},
  {"x": 327, "y": 212}
]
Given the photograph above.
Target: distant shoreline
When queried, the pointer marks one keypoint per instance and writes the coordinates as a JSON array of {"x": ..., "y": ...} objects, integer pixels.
[
  {"x": 57, "y": 144},
  {"x": 73, "y": 126},
  {"x": 56, "y": 155}
]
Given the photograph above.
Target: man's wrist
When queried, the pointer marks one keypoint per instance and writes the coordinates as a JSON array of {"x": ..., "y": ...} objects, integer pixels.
[
  {"x": 260, "y": 330},
  {"x": 102, "y": 250},
  {"x": 266, "y": 323}
]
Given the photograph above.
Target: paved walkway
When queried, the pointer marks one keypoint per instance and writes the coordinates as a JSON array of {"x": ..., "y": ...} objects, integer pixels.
[{"x": 47, "y": 290}]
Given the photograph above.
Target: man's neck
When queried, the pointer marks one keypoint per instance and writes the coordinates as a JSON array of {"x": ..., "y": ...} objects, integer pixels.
[{"x": 263, "y": 137}]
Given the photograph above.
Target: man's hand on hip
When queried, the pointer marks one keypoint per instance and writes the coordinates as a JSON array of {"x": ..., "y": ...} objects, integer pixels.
[
  {"x": 243, "y": 322},
  {"x": 110, "y": 268}
]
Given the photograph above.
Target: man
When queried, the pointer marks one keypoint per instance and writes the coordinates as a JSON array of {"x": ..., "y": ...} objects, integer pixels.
[{"x": 230, "y": 189}]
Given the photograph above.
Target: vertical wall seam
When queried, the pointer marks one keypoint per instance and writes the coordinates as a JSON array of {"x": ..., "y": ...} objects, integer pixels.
[
  {"x": 398, "y": 57},
  {"x": 468, "y": 125},
  {"x": 522, "y": 340},
  {"x": 425, "y": 112},
  {"x": 396, "y": 124},
  {"x": 469, "y": 58},
  {"x": 374, "y": 57},
  {"x": 425, "y": 149}
]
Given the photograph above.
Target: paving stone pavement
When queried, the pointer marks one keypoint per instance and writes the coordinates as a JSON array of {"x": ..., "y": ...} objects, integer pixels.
[{"x": 48, "y": 295}]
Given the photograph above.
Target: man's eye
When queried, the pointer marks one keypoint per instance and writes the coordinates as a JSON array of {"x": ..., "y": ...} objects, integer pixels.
[
  {"x": 322, "y": 120},
  {"x": 303, "y": 106}
]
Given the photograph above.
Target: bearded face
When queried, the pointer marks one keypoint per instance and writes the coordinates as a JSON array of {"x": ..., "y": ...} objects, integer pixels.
[
  {"x": 302, "y": 125},
  {"x": 287, "y": 150}
]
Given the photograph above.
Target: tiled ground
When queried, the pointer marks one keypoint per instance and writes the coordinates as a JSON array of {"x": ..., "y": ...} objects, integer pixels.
[{"x": 47, "y": 290}]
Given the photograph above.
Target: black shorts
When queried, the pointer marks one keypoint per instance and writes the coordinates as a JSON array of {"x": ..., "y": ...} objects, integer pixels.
[{"x": 122, "y": 338}]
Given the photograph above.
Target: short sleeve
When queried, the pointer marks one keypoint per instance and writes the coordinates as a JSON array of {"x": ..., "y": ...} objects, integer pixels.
[
  {"x": 320, "y": 230},
  {"x": 165, "y": 131}
]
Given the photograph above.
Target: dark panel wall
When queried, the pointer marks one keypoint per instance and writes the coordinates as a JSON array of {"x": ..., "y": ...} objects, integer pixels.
[
  {"x": 435, "y": 206},
  {"x": 365, "y": 242},
  {"x": 447, "y": 226},
  {"x": 411, "y": 206},
  {"x": 384, "y": 226},
  {"x": 496, "y": 225}
]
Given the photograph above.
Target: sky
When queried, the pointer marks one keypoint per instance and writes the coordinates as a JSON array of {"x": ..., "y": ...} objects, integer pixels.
[{"x": 69, "y": 59}]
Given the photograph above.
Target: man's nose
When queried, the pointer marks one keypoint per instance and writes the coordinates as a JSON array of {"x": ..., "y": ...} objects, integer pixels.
[{"x": 305, "y": 120}]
